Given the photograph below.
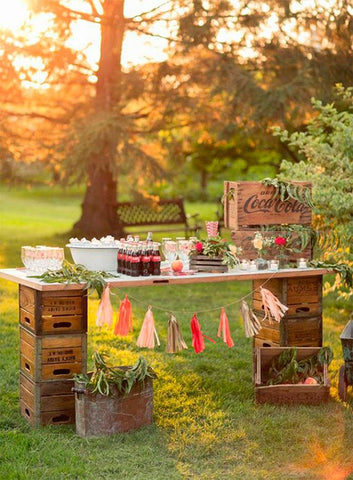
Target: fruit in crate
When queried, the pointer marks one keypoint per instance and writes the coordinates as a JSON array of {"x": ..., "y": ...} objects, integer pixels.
[
  {"x": 310, "y": 381},
  {"x": 177, "y": 266}
]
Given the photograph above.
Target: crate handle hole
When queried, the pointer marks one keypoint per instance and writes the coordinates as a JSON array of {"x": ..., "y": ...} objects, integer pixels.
[
  {"x": 61, "y": 371},
  {"x": 62, "y": 325},
  {"x": 61, "y": 419},
  {"x": 27, "y": 412},
  {"x": 266, "y": 344},
  {"x": 302, "y": 309},
  {"x": 28, "y": 320},
  {"x": 27, "y": 367}
]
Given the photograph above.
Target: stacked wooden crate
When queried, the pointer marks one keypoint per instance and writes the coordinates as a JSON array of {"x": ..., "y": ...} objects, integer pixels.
[
  {"x": 248, "y": 207},
  {"x": 302, "y": 324},
  {"x": 53, "y": 347},
  {"x": 251, "y": 206}
]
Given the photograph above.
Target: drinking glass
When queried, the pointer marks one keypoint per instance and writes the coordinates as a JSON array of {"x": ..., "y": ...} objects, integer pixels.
[
  {"x": 170, "y": 251},
  {"x": 184, "y": 249},
  {"x": 164, "y": 240}
]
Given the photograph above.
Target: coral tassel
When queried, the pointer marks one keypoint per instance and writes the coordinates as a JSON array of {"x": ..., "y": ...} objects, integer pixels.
[
  {"x": 272, "y": 306},
  {"x": 105, "y": 309},
  {"x": 224, "y": 328},
  {"x": 123, "y": 325},
  {"x": 148, "y": 332}
]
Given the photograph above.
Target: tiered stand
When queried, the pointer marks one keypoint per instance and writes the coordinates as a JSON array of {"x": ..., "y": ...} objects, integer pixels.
[{"x": 53, "y": 326}]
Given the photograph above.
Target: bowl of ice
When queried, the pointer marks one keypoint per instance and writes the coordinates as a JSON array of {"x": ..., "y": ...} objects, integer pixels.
[{"x": 96, "y": 255}]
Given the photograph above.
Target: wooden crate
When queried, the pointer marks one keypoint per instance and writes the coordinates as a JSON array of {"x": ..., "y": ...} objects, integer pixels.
[
  {"x": 54, "y": 312},
  {"x": 202, "y": 263},
  {"x": 286, "y": 394},
  {"x": 52, "y": 357},
  {"x": 47, "y": 403},
  {"x": 302, "y": 295},
  {"x": 292, "y": 331},
  {"x": 251, "y": 204},
  {"x": 244, "y": 239}
]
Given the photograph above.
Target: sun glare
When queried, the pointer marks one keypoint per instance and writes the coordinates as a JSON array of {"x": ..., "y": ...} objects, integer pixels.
[{"x": 13, "y": 14}]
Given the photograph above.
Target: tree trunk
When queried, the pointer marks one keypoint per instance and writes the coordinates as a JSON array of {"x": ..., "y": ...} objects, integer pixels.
[
  {"x": 99, "y": 215},
  {"x": 203, "y": 181}
]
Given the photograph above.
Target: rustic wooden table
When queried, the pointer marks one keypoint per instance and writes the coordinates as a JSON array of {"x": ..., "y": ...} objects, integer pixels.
[
  {"x": 22, "y": 277},
  {"x": 53, "y": 329}
]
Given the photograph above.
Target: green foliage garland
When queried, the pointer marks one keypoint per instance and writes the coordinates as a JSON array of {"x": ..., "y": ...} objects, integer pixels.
[
  {"x": 70, "y": 273},
  {"x": 288, "y": 191},
  {"x": 345, "y": 271}
]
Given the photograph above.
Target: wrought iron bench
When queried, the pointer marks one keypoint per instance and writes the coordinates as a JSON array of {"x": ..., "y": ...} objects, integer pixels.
[{"x": 167, "y": 213}]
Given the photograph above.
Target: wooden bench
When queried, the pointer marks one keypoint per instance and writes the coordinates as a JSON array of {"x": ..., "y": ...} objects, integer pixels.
[{"x": 167, "y": 213}]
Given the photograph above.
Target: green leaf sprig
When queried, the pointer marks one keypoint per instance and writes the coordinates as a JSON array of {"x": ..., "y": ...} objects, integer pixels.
[
  {"x": 104, "y": 377},
  {"x": 344, "y": 270},
  {"x": 288, "y": 191},
  {"x": 70, "y": 273}
]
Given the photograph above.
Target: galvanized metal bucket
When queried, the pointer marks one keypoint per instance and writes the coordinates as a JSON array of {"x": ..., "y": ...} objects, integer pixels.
[{"x": 100, "y": 415}]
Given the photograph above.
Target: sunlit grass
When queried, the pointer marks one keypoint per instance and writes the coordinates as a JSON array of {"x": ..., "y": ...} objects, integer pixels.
[{"x": 206, "y": 423}]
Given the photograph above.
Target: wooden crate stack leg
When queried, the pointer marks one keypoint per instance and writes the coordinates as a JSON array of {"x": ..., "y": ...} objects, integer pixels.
[
  {"x": 53, "y": 347},
  {"x": 302, "y": 324}
]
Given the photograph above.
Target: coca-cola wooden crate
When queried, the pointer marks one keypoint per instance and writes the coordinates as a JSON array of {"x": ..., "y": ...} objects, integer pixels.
[
  {"x": 252, "y": 204},
  {"x": 53, "y": 312},
  {"x": 244, "y": 239},
  {"x": 286, "y": 394},
  {"x": 52, "y": 357},
  {"x": 47, "y": 403}
]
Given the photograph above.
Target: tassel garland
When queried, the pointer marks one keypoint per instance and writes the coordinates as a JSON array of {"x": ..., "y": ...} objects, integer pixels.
[
  {"x": 252, "y": 324},
  {"x": 123, "y": 325},
  {"x": 272, "y": 306},
  {"x": 224, "y": 330},
  {"x": 105, "y": 309},
  {"x": 148, "y": 332},
  {"x": 175, "y": 342}
]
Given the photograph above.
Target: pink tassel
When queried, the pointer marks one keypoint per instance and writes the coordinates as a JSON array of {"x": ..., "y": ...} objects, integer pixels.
[
  {"x": 224, "y": 327},
  {"x": 124, "y": 324},
  {"x": 105, "y": 309},
  {"x": 272, "y": 306},
  {"x": 148, "y": 331}
]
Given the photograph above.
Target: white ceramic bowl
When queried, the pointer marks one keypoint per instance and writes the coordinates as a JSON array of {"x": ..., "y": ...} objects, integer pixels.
[{"x": 95, "y": 258}]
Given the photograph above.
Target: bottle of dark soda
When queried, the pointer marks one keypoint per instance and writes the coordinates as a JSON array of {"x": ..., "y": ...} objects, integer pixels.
[
  {"x": 135, "y": 261},
  {"x": 156, "y": 259},
  {"x": 145, "y": 260}
]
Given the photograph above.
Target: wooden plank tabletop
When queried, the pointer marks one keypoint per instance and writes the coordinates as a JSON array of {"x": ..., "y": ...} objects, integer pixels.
[{"x": 23, "y": 277}]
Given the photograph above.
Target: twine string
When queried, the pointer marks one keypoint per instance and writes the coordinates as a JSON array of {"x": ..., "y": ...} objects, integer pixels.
[{"x": 168, "y": 311}]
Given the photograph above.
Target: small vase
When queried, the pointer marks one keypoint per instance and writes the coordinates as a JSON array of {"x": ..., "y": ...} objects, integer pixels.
[
  {"x": 261, "y": 264},
  {"x": 283, "y": 261}
]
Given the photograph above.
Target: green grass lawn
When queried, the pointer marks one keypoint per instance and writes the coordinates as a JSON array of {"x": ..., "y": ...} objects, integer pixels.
[{"x": 206, "y": 424}]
